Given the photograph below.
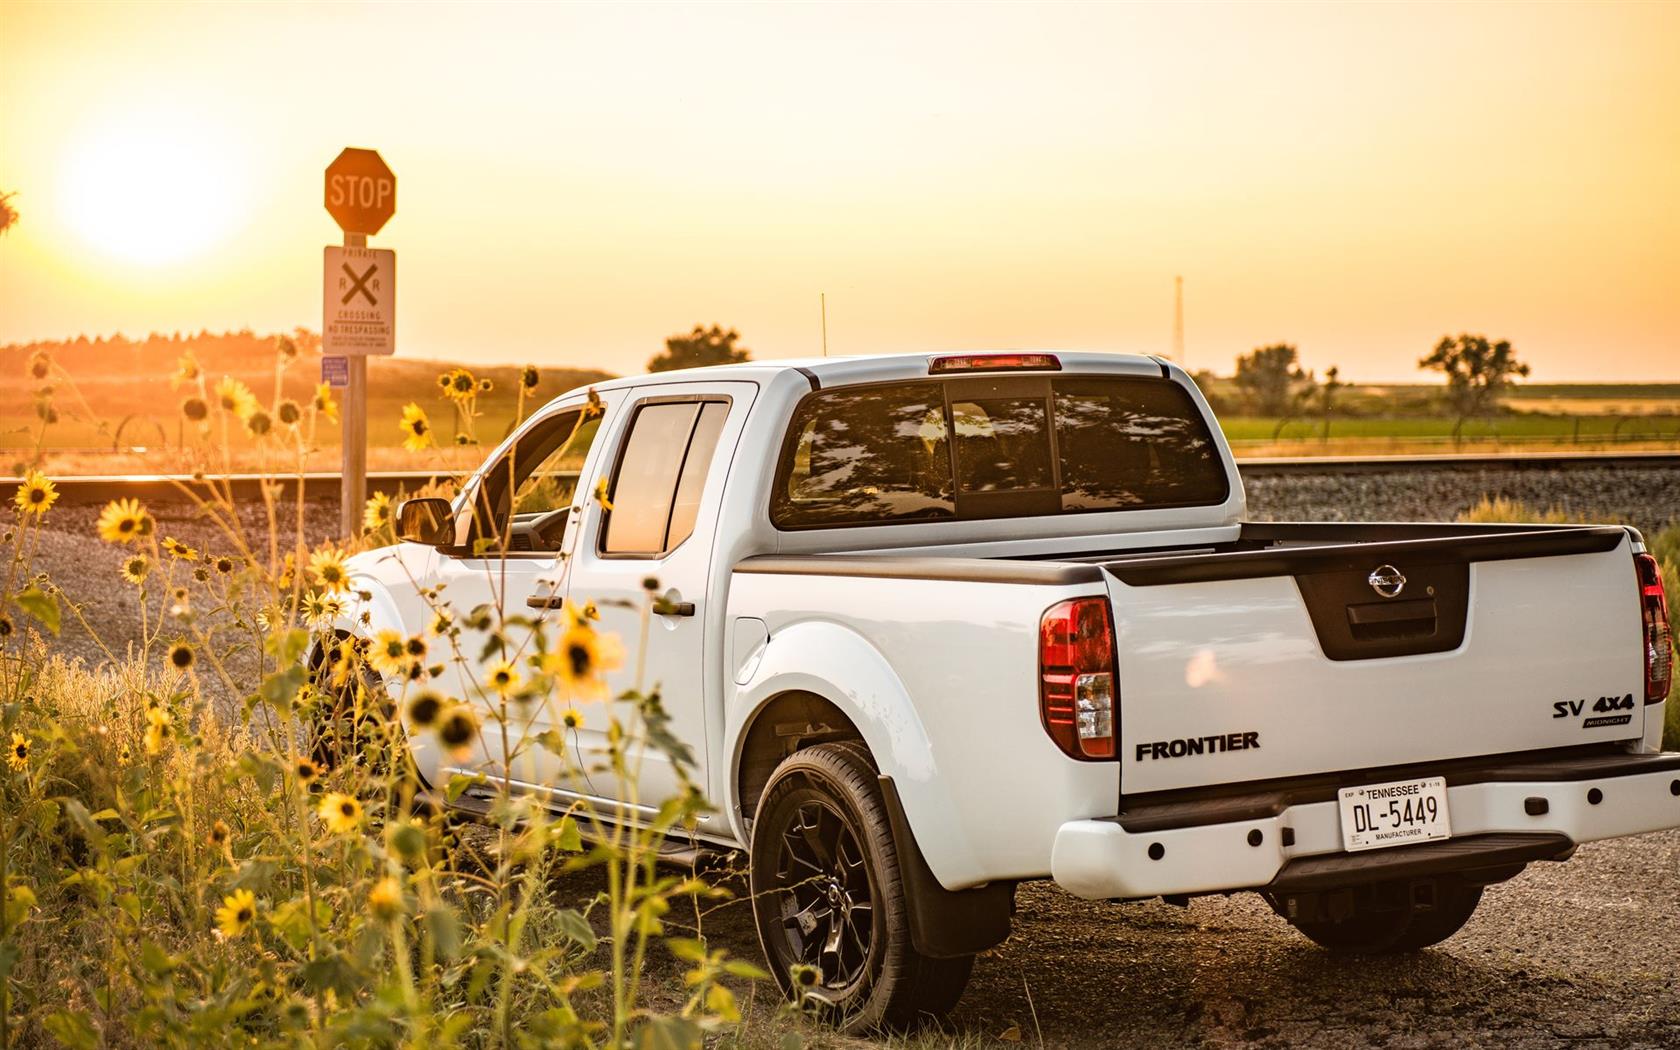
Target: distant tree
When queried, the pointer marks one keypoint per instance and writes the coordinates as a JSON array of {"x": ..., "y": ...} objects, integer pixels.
[
  {"x": 1327, "y": 391},
  {"x": 1478, "y": 373},
  {"x": 701, "y": 347},
  {"x": 8, "y": 212},
  {"x": 1271, "y": 379}
]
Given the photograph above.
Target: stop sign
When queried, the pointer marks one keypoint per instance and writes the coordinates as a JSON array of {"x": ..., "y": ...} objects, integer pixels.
[{"x": 361, "y": 191}]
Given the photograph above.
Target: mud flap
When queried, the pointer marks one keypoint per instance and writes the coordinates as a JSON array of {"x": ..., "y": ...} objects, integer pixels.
[{"x": 945, "y": 924}]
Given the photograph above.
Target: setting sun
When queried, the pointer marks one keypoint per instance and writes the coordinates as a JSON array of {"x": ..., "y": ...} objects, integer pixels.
[{"x": 151, "y": 190}]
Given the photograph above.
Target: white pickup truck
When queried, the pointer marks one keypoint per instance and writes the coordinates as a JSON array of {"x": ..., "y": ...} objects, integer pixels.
[{"x": 937, "y": 624}]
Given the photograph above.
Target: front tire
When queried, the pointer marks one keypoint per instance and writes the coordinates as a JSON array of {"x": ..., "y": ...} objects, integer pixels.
[
  {"x": 1391, "y": 931},
  {"x": 829, "y": 900}
]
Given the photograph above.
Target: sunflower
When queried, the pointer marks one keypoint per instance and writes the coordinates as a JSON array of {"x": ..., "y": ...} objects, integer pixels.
[
  {"x": 36, "y": 495},
  {"x": 424, "y": 709},
  {"x": 389, "y": 652},
  {"x": 219, "y": 833},
  {"x": 124, "y": 521},
  {"x": 461, "y": 384},
  {"x": 458, "y": 730},
  {"x": 443, "y": 622},
  {"x": 18, "y": 756},
  {"x": 135, "y": 568},
  {"x": 307, "y": 771},
  {"x": 593, "y": 405},
  {"x": 324, "y": 402},
  {"x": 288, "y": 412},
  {"x": 327, "y": 566},
  {"x": 236, "y": 397},
  {"x": 195, "y": 409},
  {"x": 528, "y": 377},
  {"x": 186, "y": 371},
  {"x": 258, "y": 422},
  {"x": 181, "y": 656},
  {"x": 582, "y": 658},
  {"x": 285, "y": 346},
  {"x": 6, "y": 627},
  {"x": 417, "y": 431},
  {"x": 341, "y": 813},
  {"x": 502, "y": 678},
  {"x": 158, "y": 730},
  {"x": 385, "y": 900},
  {"x": 485, "y": 386},
  {"x": 601, "y": 494},
  {"x": 377, "y": 513},
  {"x": 39, "y": 364},
  {"x": 224, "y": 565},
  {"x": 180, "y": 550},
  {"x": 235, "y": 915},
  {"x": 572, "y": 718}
]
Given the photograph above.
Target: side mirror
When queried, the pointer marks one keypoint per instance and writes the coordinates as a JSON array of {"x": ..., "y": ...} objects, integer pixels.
[{"x": 429, "y": 520}]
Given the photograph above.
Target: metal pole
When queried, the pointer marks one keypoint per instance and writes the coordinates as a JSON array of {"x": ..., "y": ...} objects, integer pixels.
[
  {"x": 352, "y": 490},
  {"x": 822, "y": 299}
]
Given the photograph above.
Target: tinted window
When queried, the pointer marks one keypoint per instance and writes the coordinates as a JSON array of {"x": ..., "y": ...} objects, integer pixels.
[
  {"x": 1001, "y": 444},
  {"x": 1126, "y": 443},
  {"x": 881, "y": 454},
  {"x": 655, "y": 494},
  {"x": 875, "y": 454}
]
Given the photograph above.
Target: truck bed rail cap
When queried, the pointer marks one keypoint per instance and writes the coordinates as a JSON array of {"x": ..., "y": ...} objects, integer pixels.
[{"x": 964, "y": 570}]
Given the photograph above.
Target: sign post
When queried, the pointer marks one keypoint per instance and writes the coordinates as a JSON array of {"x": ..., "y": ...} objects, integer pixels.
[{"x": 359, "y": 293}]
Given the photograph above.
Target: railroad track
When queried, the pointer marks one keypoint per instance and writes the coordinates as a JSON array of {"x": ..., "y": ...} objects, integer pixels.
[{"x": 323, "y": 486}]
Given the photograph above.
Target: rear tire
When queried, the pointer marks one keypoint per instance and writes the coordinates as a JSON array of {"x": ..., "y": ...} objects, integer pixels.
[
  {"x": 1369, "y": 931},
  {"x": 829, "y": 900}
]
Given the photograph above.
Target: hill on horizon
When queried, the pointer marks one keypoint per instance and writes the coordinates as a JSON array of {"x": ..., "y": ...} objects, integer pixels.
[{"x": 116, "y": 392}]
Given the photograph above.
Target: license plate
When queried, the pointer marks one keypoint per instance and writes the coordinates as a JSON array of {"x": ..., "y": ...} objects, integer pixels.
[{"x": 1379, "y": 815}]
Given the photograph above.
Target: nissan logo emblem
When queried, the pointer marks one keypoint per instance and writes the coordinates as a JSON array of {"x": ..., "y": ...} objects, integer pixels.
[{"x": 1386, "y": 581}]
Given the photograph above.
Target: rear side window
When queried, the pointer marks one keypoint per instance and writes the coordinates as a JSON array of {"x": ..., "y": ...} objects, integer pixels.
[
  {"x": 977, "y": 448},
  {"x": 655, "y": 492}
]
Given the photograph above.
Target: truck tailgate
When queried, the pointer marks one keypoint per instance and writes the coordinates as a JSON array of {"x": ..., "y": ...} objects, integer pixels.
[{"x": 1288, "y": 661}]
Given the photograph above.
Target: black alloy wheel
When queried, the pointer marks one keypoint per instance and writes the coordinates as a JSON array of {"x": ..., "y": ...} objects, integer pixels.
[{"x": 829, "y": 901}]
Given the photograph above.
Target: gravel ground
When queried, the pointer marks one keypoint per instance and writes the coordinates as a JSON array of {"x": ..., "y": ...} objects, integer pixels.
[{"x": 1577, "y": 954}]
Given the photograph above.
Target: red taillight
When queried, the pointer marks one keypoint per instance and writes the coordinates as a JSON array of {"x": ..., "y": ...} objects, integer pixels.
[
  {"x": 1658, "y": 641},
  {"x": 1077, "y": 691},
  {"x": 994, "y": 363}
]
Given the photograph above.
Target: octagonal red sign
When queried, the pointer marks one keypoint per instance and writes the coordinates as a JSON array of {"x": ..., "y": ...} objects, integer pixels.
[{"x": 361, "y": 191}]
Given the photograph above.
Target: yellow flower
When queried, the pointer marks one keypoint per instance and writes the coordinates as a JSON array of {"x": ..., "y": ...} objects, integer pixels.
[
  {"x": 134, "y": 569},
  {"x": 36, "y": 495},
  {"x": 158, "y": 730},
  {"x": 238, "y": 910},
  {"x": 424, "y": 709},
  {"x": 461, "y": 385},
  {"x": 186, "y": 371},
  {"x": 327, "y": 566},
  {"x": 417, "y": 431},
  {"x": 324, "y": 402},
  {"x": 572, "y": 718},
  {"x": 219, "y": 833},
  {"x": 180, "y": 550},
  {"x": 340, "y": 812},
  {"x": 389, "y": 652},
  {"x": 601, "y": 494},
  {"x": 377, "y": 513},
  {"x": 385, "y": 900},
  {"x": 582, "y": 659},
  {"x": 321, "y": 609},
  {"x": 528, "y": 377},
  {"x": 502, "y": 678},
  {"x": 18, "y": 757},
  {"x": 457, "y": 731},
  {"x": 236, "y": 397},
  {"x": 124, "y": 521},
  {"x": 307, "y": 771},
  {"x": 181, "y": 656}
]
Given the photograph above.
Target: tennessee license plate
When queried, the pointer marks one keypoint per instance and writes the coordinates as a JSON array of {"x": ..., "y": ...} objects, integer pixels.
[{"x": 1379, "y": 815}]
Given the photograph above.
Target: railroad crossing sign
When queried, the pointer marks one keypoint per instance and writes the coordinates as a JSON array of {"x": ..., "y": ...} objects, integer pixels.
[
  {"x": 361, "y": 191},
  {"x": 359, "y": 301}
]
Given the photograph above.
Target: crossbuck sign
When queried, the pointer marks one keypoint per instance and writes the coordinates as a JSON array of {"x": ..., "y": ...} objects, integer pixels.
[{"x": 359, "y": 301}]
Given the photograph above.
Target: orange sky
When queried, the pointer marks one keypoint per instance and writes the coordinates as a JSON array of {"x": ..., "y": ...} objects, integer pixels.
[{"x": 577, "y": 182}]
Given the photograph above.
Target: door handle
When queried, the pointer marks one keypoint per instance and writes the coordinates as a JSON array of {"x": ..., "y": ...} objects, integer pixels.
[
  {"x": 545, "y": 601},
  {"x": 666, "y": 607}
]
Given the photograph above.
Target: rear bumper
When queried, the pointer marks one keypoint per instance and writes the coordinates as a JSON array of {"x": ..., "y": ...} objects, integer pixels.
[{"x": 1265, "y": 839}]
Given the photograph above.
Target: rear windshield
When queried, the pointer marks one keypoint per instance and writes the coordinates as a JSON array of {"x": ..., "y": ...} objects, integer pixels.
[{"x": 994, "y": 447}]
